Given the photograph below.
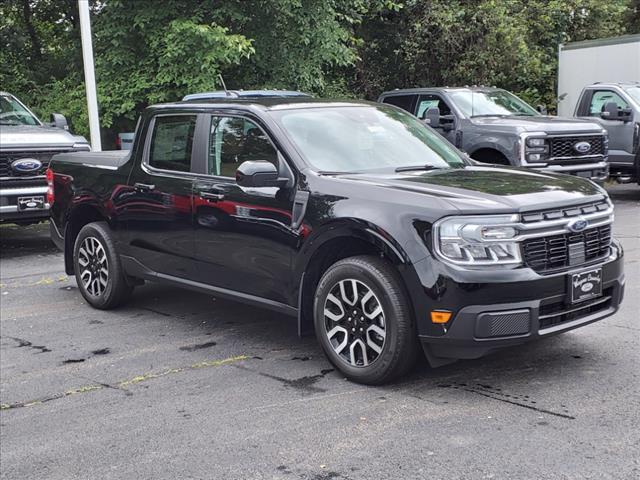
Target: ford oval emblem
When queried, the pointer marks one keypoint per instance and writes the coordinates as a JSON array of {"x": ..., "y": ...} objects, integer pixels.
[
  {"x": 26, "y": 165},
  {"x": 582, "y": 147},
  {"x": 578, "y": 225}
]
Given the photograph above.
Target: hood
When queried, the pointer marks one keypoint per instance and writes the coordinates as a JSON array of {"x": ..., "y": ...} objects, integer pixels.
[
  {"x": 476, "y": 189},
  {"x": 36, "y": 136},
  {"x": 540, "y": 123}
]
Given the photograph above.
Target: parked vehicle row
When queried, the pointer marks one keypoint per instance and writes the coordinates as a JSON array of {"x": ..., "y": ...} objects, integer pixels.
[
  {"x": 26, "y": 147},
  {"x": 354, "y": 217}
]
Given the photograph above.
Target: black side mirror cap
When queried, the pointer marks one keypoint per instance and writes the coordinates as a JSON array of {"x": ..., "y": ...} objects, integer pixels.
[
  {"x": 612, "y": 112},
  {"x": 59, "y": 121},
  {"x": 259, "y": 173},
  {"x": 432, "y": 117}
]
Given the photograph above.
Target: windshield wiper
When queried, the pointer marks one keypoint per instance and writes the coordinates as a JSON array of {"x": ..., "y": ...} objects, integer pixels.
[{"x": 410, "y": 168}]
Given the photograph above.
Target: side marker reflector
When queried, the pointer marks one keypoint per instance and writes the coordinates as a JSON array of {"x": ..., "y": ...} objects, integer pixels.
[{"x": 440, "y": 317}]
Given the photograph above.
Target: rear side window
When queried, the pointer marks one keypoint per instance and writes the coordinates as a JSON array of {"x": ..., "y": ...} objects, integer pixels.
[
  {"x": 172, "y": 142},
  {"x": 601, "y": 98},
  {"x": 406, "y": 102}
]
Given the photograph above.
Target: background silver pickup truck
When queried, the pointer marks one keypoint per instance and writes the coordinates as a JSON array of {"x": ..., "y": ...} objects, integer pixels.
[
  {"x": 494, "y": 126},
  {"x": 616, "y": 106},
  {"x": 26, "y": 147}
]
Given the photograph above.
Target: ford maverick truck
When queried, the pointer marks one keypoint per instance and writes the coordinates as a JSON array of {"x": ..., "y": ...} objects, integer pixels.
[
  {"x": 494, "y": 126},
  {"x": 355, "y": 218},
  {"x": 26, "y": 146}
]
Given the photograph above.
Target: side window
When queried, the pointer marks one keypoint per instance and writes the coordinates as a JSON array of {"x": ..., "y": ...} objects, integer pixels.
[
  {"x": 233, "y": 140},
  {"x": 602, "y": 97},
  {"x": 172, "y": 142},
  {"x": 429, "y": 101},
  {"x": 406, "y": 102}
]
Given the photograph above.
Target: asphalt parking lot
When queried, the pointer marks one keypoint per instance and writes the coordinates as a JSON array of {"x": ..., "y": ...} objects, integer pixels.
[{"x": 182, "y": 385}]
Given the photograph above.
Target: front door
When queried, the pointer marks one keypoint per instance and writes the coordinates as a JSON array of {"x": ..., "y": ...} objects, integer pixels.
[
  {"x": 620, "y": 132},
  {"x": 158, "y": 205},
  {"x": 447, "y": 127},
  {"x": 243, "y": 236}
]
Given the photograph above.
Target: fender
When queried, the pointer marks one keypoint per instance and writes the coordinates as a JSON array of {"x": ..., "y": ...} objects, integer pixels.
[
  {"x": 342, "y": 228},
  {"x": 496, "y": 144}
]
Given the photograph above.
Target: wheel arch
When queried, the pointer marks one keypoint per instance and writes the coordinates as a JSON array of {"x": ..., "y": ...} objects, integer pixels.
[
  {"x": 487, "y": 153},
  {"x": 80, "y": 216},
  {"x": 338, "y": 240}
]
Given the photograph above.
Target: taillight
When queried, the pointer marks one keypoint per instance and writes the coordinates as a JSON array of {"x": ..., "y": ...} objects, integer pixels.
[
  {"x": 118, "y": 143},
  {"x": 50, "y": 193}
]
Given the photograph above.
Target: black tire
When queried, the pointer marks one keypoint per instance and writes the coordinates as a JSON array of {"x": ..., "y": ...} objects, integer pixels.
[
  {"x": 100, "y": 290},
  {"x": 397, "y": 348}
]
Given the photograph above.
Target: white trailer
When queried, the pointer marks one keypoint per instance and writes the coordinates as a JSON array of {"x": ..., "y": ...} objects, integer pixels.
[{"x": 604, "y": 60}]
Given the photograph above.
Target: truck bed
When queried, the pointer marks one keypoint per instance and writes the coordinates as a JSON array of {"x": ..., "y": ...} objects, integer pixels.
[{"x": 112, "y": 159}]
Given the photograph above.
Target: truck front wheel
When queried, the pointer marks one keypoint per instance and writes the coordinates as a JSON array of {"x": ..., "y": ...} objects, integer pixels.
[
  {"x": 99, "y": 275},
  {"x": 363, "y": 320}
]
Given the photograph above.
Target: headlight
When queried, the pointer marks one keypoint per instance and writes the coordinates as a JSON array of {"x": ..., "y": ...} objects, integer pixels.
[
  {"x": 534, "y": 148},
  {"x": 535, "y": 142},
  {"x": 478, "y": 241},
  {"x": 82, "y": 147}
]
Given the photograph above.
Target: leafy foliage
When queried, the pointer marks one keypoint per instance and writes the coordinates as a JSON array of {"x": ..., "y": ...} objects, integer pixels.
[{"x": 149, "y": 51}]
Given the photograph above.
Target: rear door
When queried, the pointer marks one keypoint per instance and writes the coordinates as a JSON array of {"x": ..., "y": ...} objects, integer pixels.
[
  {"x": 158, "y": 202},
  {"x": 243, "y": 236},
  {"x": 405, "y": 101}
]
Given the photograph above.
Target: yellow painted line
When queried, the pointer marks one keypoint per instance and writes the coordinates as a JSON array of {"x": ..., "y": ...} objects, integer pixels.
[{"x": 126, "y": 383}]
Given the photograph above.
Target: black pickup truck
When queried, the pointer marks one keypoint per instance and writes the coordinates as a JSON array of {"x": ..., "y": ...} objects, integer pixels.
[{"x": 354, "y": 217}]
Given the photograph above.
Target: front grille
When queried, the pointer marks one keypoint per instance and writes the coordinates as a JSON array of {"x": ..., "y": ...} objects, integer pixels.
[
  {"x": 564, "y": 146},
  {"x": 567, "y": 250},
  {"x": 567, "y": 212},
  {"x": 7, "y": 158},
  {"x": 559, "y": 312}
]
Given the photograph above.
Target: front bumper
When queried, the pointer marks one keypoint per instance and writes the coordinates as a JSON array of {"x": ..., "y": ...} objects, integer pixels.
[
  {"x": 597, "y": 172},
  {"x": 12, "y": 190},
  {"x": 493, "y": 313}
]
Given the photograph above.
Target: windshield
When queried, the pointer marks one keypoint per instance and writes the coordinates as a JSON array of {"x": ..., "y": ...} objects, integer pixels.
[
  {"x": 489, "y": 103},
  {"x": 12, "y": 112},
  {"x": 365, "y": 138},
  {"x": 634, "y": 92}
]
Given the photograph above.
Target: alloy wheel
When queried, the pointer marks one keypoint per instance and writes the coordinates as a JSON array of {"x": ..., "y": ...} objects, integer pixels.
[
  {"x": 92, "y": 258},
  {"x": 354, "y": 322}
]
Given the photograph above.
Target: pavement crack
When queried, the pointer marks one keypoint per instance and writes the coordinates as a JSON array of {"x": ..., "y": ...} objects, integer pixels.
[
  {"x": 304, "y": 384},
  {"x": 512, "y": 399},
  {"x": 26, "y": 343},
  {"x": 124, "y": 383},
  {"x": 197, "y": 346}
]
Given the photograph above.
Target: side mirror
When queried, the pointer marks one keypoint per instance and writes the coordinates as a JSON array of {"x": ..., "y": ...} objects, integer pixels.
[
  {"x": 259, "y": 173},
  {"x": 59, "y": 121},
  {"x": 542, "y": 110},
  {"x": 612, "y": 112},
  {"x": 447, "y": 122},
  {"x": 432, "y": 117}
]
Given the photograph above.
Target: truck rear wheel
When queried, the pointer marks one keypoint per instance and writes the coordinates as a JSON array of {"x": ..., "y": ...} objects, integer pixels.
[
  {"x": 99, "y": 275},
  {"x": 363, "y": 320}
]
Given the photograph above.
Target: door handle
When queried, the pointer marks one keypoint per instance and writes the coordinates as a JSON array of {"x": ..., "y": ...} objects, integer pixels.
[
  {"x": 143, "y": 187},
  {"x": 212, "y": 196}
]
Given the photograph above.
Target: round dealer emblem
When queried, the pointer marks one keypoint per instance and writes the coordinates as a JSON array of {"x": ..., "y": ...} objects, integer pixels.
[{"x": 586, "y": 287}]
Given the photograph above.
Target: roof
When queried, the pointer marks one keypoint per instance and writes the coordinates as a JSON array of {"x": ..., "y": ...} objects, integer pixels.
[
  {"x": 233, "y": 94},
  {"x": 475, "y": 88},
  {"x": 601, "y": 42},
  {"x": 265, "y": 103},
  {"x": 615, "y": 84}
]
